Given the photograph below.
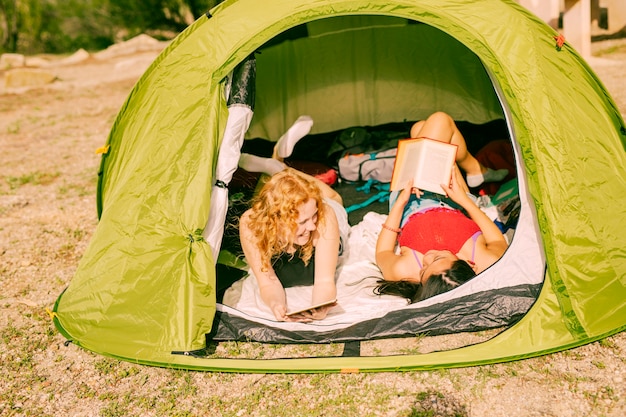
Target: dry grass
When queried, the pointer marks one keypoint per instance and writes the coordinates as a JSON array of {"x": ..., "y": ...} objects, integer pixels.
[{"x": 47, "y": 216}]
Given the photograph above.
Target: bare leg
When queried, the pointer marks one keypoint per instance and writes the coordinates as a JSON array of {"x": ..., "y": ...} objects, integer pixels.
[
  {"x": 285, "y": 144},
  {"x": 282, "y": 149},
  {"x": 253, "y": 163},
  {"x": 271, "y": 166},
  {"x": 440, "y": 126}
]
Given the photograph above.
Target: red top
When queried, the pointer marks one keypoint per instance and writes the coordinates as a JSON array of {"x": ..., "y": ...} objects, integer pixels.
[{"x": 439, "y": 228}]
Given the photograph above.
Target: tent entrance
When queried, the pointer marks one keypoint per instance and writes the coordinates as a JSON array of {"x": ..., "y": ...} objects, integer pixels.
[
  {"x": 380, "y": 73},
  {"x": 145, "y": 286}
]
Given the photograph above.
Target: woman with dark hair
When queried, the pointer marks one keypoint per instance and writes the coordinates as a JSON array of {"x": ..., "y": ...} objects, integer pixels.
[
  {"x": 459, "y": 273},
  {"x": 427, "y": 245}
]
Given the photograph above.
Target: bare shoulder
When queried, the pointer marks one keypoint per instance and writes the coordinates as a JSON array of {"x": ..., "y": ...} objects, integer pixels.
[
  {"x": 245, "y": 216},
  {"x": 402, "y": 266},
  {"x": 328, "y": 210},
  {"x": 244, "y": 222},
  {"x": 486, "y": 256},
  {"x": 330, "y": 217}
]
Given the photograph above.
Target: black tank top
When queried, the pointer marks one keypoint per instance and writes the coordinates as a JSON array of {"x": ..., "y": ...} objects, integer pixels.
[{"x": 291, "y": 270}]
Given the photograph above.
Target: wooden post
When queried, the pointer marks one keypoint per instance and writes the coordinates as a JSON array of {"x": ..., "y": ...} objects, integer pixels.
[
  {"x": 546, "y": 10},
  {"x": 577, "y": 25},
  {"x": 595, "y": 13},
  {"x": 616, "y": 10}
]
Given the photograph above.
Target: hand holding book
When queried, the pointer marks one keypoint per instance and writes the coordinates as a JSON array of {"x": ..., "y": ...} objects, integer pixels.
[
  {"x": 405, "y": 195},
  {"x": 307, "y": 314}
]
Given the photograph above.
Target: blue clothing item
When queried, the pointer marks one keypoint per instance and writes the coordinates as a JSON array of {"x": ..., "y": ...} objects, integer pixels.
[{"x": 426, "y": 201}]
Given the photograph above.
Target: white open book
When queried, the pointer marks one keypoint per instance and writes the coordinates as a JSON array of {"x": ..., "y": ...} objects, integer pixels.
[{"x": 427, "y": 161}]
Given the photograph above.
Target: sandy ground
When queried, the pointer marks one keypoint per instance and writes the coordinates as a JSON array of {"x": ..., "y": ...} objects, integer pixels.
[{"x": 47, "y": 215}]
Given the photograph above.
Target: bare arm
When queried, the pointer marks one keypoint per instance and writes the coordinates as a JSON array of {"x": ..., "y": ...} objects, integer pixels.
[
  {"x": 392, "y": 266},
  {"x": 326, "y": 256},
  {"x": 272, "y": 291},
  {"x": 494, "y": 240}
]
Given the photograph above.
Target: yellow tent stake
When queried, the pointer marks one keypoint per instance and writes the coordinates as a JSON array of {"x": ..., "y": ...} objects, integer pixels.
[
  {"x": 51, "y": 313},
  {"x": 103, "y": 149}
]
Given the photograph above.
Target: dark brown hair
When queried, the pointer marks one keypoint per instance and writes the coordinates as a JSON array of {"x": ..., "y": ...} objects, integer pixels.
[{"x": 459, "y": 273}]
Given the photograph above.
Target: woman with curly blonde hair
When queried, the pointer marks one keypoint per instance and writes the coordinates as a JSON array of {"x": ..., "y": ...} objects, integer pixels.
[{"x": 292, "y": 235}]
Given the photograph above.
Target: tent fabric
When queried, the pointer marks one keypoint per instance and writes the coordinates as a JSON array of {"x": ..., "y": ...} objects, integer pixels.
[
  {"x": 145, "y": 286},
  {"x": 491, "y": 309},
  {"x": 241, "y": 94},
  {"x": 319, "y": 82}
]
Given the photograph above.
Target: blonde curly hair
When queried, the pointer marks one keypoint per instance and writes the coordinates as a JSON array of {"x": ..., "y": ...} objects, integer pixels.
[{"x": 274, "y": 214}]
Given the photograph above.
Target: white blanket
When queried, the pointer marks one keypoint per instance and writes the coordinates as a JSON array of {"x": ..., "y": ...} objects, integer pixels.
[
  {"x": 523, "y": 263},
  {"x": 356, "y": 278}
]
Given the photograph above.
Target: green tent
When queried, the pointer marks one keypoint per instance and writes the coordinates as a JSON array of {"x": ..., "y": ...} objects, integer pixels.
[{"x": 145, "y": 287}]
